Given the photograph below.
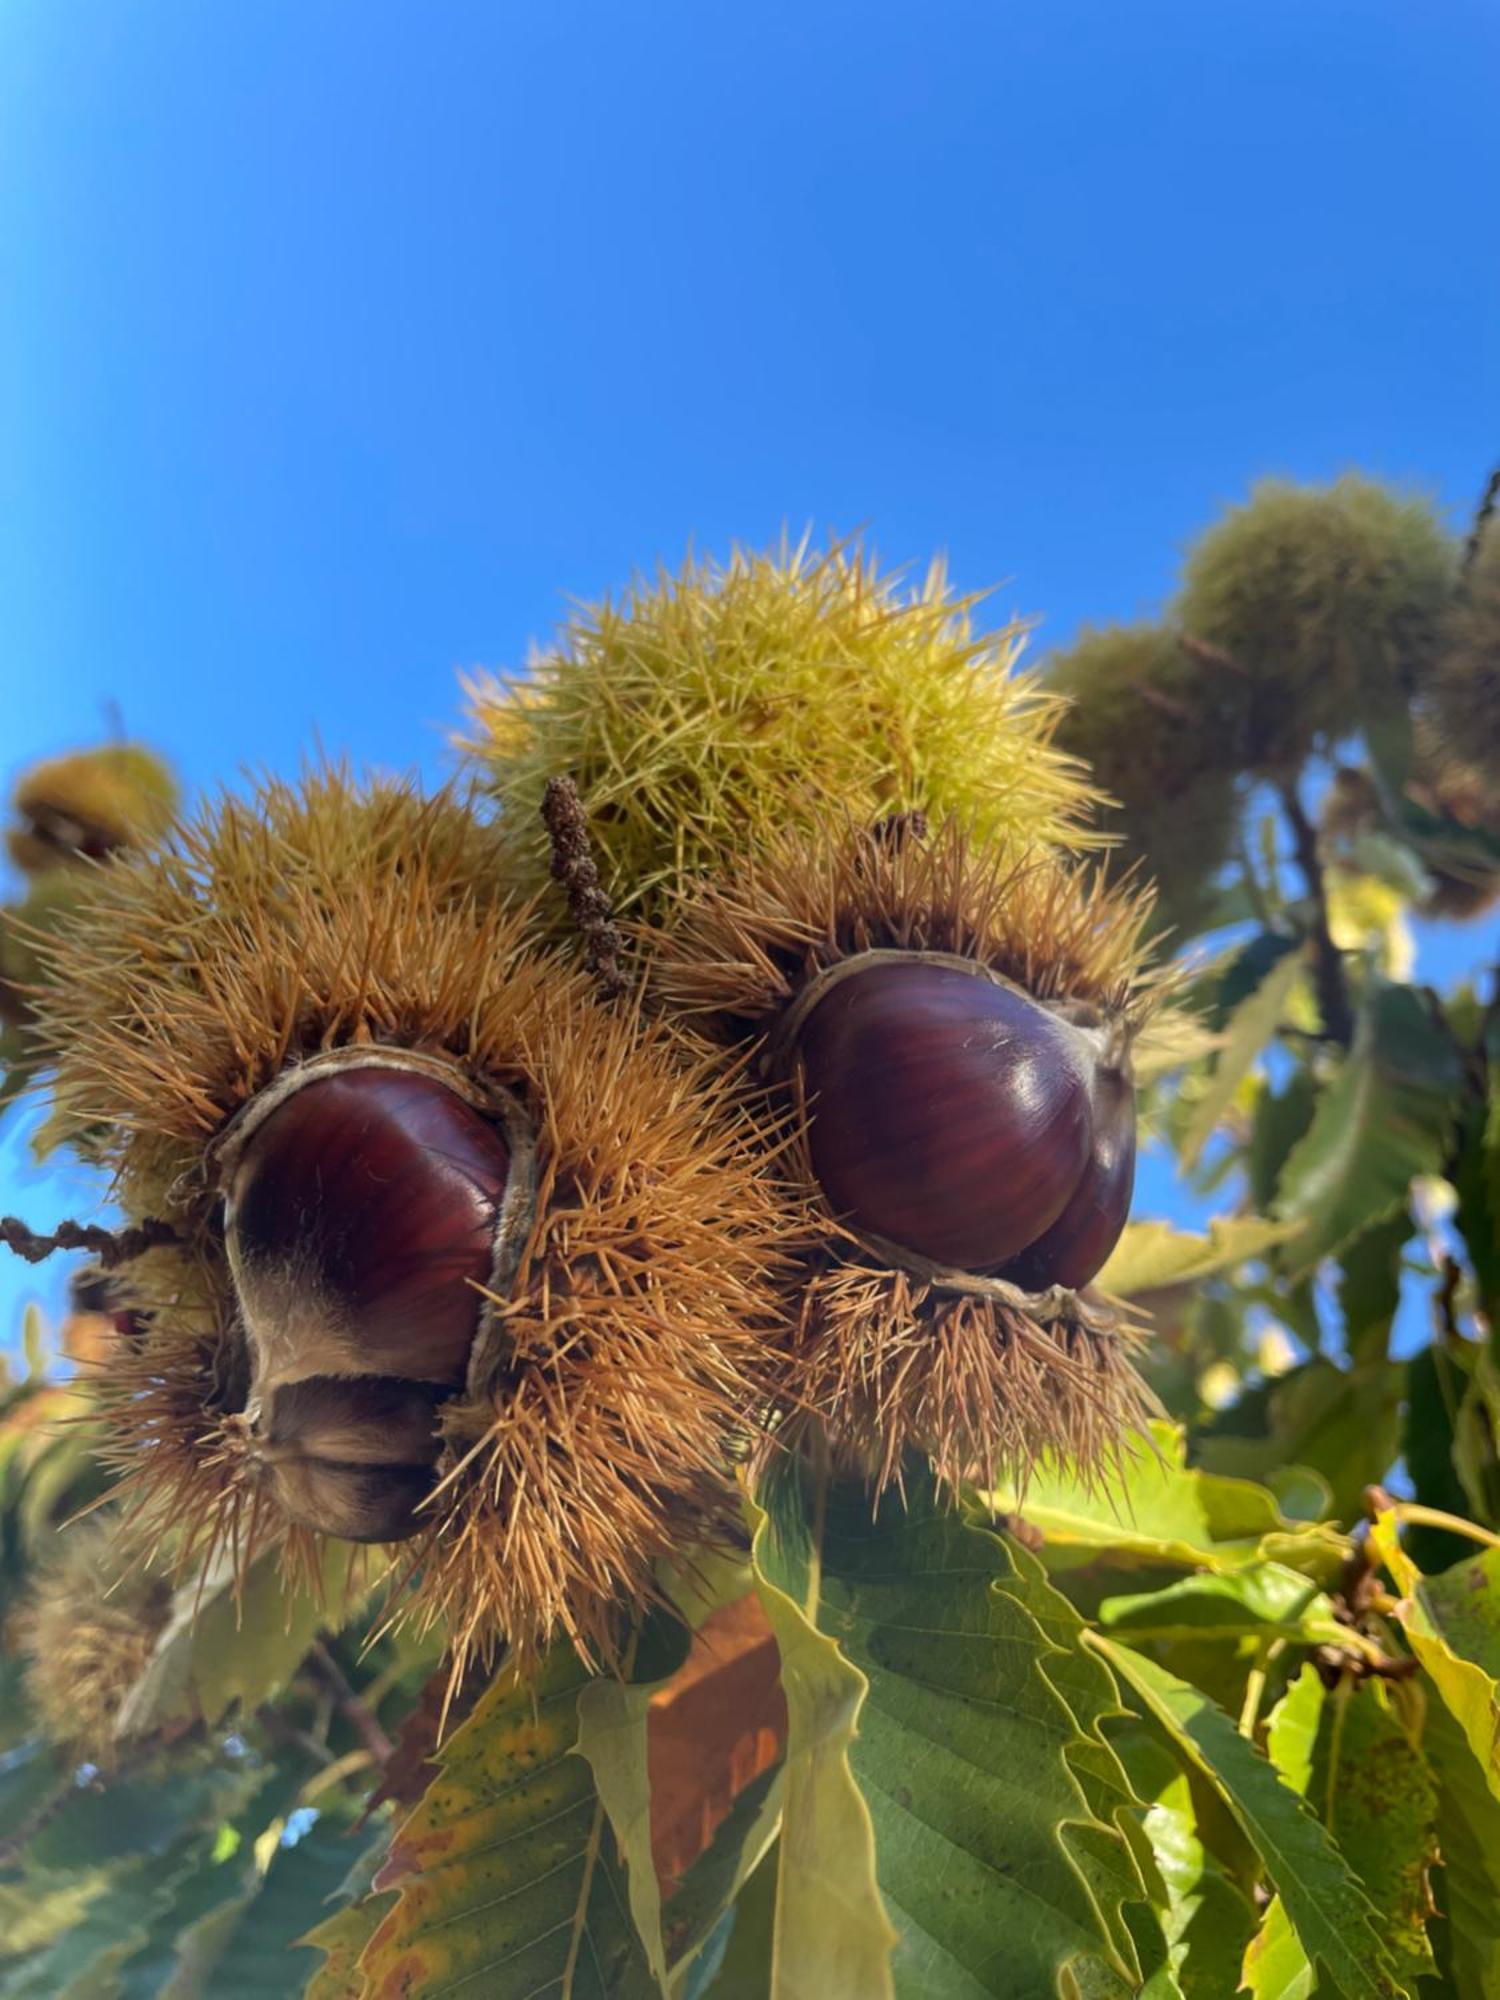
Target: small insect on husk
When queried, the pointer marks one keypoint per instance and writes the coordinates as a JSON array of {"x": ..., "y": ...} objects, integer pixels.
[
  {"x": 952, "y": 1028},
  {"x": 468, "y": 1260}
]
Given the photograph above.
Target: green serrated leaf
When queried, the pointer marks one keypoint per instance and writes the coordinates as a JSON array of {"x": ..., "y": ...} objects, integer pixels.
[
  {"x": 222, "y": 1645},
  {"x": 1354, "y": 1761},
  {"x": 1267, "y": 1600},
  {"x": 1152, "y": 1254},
  {"x": 980, "y": 1777},
  {"x": 1330, "y": 1913},
  {"x": 342, "y": 1939},
  {"x": 1207, "y": 1920},
  {"x": 1437, "y": 1383},
  {"x": 507, "y": 1872},
  {"x": 1154, "y": 1510},
  {"x": 1246, "y": 1032},
  {"x": 252, "y": 1948},
  {"x": 832, "y": 1937},
  {"x": 1469, "y": 1829},
  {"x": 1281, "y": 1119},
  {"x": 1384, "y": 1120}
]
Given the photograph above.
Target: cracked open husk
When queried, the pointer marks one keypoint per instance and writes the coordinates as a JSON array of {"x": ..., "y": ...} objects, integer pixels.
[
  {"x": 885, "y": 1348},
  {"x": 329, "y": 925}
]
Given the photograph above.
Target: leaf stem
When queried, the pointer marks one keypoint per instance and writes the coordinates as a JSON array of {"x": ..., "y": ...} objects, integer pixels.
[{"x": 1411, "y": 1513}]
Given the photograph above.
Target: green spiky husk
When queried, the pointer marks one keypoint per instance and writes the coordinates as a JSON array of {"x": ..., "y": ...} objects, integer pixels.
[
  {"x": 707, "y": 711},
  {"x": 86, "y": 1632},
  {"x": 116, "y": 796},
  {"x": 1331, "y": 598},
  {"x": 1163, "y": 730},
  {"x": 1461, "y": 693}
]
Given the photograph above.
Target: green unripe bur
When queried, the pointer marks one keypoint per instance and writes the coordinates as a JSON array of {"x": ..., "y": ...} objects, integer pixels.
[{"x": 705, "y": 713}]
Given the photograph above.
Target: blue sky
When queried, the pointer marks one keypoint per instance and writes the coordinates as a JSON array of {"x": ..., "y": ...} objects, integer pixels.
[{"x": 340, "y": 343}]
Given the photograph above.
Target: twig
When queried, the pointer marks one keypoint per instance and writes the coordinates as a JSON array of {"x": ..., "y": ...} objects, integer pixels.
[
  {"x": 356, "y": 1711},
  {"x": 1489, "y": 500},
  {"x": 111, "y": 1247},
  {"x": 1333, "y": 989},
  {"x": 1211, "y": 656},
  {"x": 573, "y": 865}
]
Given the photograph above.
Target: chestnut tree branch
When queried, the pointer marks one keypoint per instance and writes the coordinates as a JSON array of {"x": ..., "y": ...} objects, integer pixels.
[
  {"x": 357, "y": 1712},
  {"x": 1328, "y": 960},
  {"x": 1489, "y": 500},
  {"x": 573, "y": 865},
  {"x": 110, "y": 1246}
]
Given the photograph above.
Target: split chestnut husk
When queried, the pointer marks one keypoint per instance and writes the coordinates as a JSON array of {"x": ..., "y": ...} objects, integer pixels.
[
  {"x": 466, "y": 1259},
  {"x": 951, "y": 1032}
]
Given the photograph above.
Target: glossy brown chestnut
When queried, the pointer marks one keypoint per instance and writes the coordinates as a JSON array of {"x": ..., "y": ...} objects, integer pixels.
[
  {"x": 364, "y": 1206},
  {"x": 353, "y": 1457},
  {"x": 361, "y": 1216},
  {"x": 957, "y": 1118},
  {"x": 1079, "y": 1242}
]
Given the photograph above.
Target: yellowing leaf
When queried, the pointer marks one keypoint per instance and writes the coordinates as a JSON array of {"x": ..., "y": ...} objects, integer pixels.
[
  {"x": 1153, "y": 1254},
  {"x": 1430, "y": 1621}
]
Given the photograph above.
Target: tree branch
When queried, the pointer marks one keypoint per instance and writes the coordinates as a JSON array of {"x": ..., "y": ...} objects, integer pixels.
[
  {"x": 1487, "y": 505},
  {"x": 111, "y": 1247},
  {"x": 1332, "y": 987}
]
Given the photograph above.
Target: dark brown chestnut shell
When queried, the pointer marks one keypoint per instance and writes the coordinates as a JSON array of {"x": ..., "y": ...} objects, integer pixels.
[
  {"x": 954, "y": 1118},
  {"x": 373, "y": 1206}
]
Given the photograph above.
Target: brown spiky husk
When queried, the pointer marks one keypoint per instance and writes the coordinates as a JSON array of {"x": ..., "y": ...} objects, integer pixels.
[
  {"x": 593, "y": 1433},
  {"x": 982, "y": 1377},
  {"x": 86, "y": 1632}
]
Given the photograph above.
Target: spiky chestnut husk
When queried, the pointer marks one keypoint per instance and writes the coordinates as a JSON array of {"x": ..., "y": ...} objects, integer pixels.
[
  {"x": 1460, "y": 694},
  {"x": 707, "y": 711},
  {"x": 86, "y": 1631},
  {"x": 305, "y": 942},
  {"x": 891, "y": 1341},
  {"x": 1163, "y": 730},
  {"x": 1331, "y": 599},
  {"x": 89, "y": 804}
]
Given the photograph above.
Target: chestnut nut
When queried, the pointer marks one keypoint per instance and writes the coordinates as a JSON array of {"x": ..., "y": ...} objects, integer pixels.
[
  {"x": 953, "y": 1116},
  {"x": 369, "y": 1204}
]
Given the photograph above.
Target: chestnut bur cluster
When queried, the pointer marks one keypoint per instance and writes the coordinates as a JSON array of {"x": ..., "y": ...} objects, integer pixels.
[{"x": 485, "y": 1227}]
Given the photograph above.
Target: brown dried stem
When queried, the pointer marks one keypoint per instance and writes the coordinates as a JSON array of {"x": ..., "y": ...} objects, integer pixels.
[
  {"x": 1489, "y": 500},
  {"x": 1333, "y": 988},
  {"x": 573, "y": 865},
  {"x": 356, "y": 1711},
  {"x": 111, "y": 1247}
]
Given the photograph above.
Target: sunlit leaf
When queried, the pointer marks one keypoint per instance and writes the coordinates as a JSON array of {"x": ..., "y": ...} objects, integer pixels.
[
  {"x": 1153, "y": 1254},
  {"x": 1385, "y": 1119},
  {"x": 1452, "y": 1623},
  {"x": 1332, "y": 1917},
  {"x": 980, "y": 1777},
  {"x": 1246, "y": 1033}
]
